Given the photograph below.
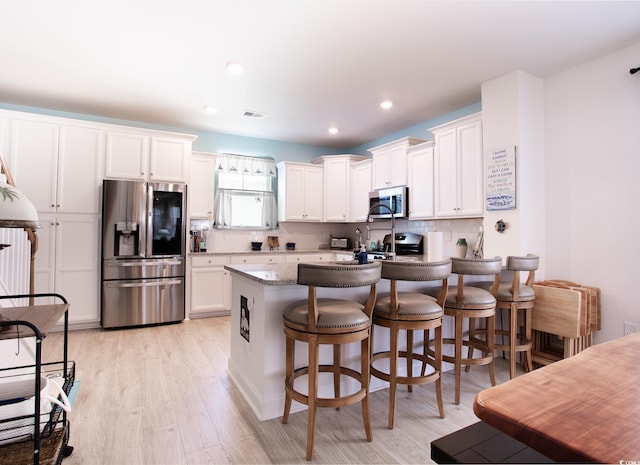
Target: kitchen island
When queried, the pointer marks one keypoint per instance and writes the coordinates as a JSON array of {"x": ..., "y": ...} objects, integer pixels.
[{"x": 256, "y": 364}]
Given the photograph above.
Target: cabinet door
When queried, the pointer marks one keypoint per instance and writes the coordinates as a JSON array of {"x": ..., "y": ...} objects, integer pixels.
[
  {"x": 336, "y": 190},
  {"x": 80, "y": 161},
  {"x": 420, "y": 182},
  {"x": 398, "y": 166},
  {"x": 293, "y": 191},
  {"x": 33, "y": 164},
  {"x": 446, "y": 174},
  {"x": 127, "y": 155},
  {"x": 210, "y": 290},
  {"x": 313, "y": 193},
  {"x": 471, "y": 201},
  {"x": 201, "y": 188},
  {"x": 381, "y": 170},
  {"x": 168, "y": 159},
  {"x": 67, "y": 263},
  {"x": 360, "y": 189}
]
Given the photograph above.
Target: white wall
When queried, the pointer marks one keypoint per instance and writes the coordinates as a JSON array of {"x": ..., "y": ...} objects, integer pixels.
[
  {"x": 513, "y": 115},
  {"x": 592, "y": 152}
]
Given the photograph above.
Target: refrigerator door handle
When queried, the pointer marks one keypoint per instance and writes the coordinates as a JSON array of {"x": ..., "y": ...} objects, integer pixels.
[
  {"x": 155, "y": 283},
  {"x": 145, "y": 263}
]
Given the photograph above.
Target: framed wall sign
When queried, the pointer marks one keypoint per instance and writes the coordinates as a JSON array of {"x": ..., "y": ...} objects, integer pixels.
[{"x": 500, "y": 179}]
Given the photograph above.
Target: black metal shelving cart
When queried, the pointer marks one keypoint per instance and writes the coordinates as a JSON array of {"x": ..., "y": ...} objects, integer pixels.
[{"x": 33, "y": 431}]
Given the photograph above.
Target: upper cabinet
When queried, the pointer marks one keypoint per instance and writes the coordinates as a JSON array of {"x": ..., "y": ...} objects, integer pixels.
[
  {"x": 201, "y": 186},
  {"x": 360, "y": 187},
  {"x": 300, "y": 192},
  {"x": 337, "y": 186},
  {"x": 458, "y": 168},
  {"x": 148, "y": 156},
  {"x": 390, "y": 162},
  {"x": 420, "y": 180},
  {"x": 57, "y": 166}
]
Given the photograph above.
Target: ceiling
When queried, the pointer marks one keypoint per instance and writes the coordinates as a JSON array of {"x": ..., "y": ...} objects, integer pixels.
[{"x": 309, "y": 64}]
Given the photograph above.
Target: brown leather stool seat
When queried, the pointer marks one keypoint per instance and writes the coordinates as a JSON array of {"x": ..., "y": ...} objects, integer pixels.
[
  {"x": 515, "y": 296},
  {"x": 330, "y": 321},
  {"x": 471, "y": 303},
  {"x": 411, "y": 311}
]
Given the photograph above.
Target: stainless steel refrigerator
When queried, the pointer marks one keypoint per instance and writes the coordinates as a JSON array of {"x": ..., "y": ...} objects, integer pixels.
[{"x": 143, "y": 253}]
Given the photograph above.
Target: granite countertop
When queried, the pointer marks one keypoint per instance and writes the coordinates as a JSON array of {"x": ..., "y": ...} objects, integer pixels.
[
  {"x": 279, "y": 274},
  {"x": 286, "y": 274},
  {"x": 270, "y": 252}
]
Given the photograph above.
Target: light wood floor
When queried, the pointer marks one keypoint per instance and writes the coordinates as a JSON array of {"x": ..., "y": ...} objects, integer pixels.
[{"x": 161, "y": 395}]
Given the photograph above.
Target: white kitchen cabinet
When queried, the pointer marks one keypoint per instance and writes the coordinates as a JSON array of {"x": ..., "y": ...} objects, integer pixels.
[
  {"x": 57, "y": 166},
  {"x": 337, "y": 186},
  {"x": 308, "y": 257},
  {"x": 139, "y": 155},
  {"x": 390, "y": 162},
  {"x": 210, "y": 286},
  {"x": 257, "y": 259},
  {"x": 360, "y": 188},
  {"x": 201, "y": 187},
  {"x": 300, "y": 192},
  {"x": 458, "y": 168},
  {"x": 67, "y": 263},
  {"x": 343, "y": 256},
  {"x": 420, "y": 180}
]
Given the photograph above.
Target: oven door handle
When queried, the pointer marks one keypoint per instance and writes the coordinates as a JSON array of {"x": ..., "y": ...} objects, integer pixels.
[{"x": 154, "y": 283}]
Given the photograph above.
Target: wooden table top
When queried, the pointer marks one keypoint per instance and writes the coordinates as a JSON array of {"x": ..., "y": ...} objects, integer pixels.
[{"x": 585, "y": 408}]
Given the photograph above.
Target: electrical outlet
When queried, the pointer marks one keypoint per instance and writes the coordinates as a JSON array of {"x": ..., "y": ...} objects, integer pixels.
[{"x": 630, "y": 328}]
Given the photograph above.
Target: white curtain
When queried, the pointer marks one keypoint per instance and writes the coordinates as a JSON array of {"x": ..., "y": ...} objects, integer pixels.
[
  {"x": 243, "y": 164},
  {"x": 223, "y": 208}
]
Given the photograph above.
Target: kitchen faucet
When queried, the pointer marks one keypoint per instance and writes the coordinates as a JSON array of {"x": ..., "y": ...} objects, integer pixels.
[{"x": 393, "y": 227}]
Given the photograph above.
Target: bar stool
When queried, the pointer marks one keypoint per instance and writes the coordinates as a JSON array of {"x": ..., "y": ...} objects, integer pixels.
[
  {"x": 465, "y": 301},
  {"x": 330, "y": 321},
  {"x": 514, "y": 296},
  {"x": 410, "y": 311}
]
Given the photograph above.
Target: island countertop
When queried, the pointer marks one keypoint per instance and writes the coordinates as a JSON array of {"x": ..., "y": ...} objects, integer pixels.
[{"x": 286, "y": 274}]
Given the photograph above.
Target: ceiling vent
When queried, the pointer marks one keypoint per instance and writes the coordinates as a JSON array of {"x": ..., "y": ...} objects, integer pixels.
[{"x": 253, "y": 114}]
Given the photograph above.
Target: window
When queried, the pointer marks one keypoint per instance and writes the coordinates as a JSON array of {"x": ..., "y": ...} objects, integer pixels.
[{"x": 245, "y": 194}]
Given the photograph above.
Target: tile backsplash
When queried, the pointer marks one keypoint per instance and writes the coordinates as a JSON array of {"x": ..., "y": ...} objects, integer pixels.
[{"x": 314, "y": 236}]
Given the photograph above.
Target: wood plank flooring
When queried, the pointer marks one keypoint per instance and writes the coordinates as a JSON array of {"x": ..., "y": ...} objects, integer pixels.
[{"x": 161, "y": 395}]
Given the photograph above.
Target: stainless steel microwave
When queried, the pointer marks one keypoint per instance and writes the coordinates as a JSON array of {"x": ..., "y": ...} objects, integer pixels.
[{"x": 383, "y": 202}]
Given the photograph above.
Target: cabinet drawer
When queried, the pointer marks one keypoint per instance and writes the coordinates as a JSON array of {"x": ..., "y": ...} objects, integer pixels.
[
  {"x": 209, "y": 260},
  {"x": 256, "y": 259},
  {"x": 309, "y": 258}
]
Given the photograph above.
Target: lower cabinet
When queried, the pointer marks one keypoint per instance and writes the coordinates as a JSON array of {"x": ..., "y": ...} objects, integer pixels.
[
  {"x": 67, "y": 262},
  {"x": 309, "y": 257},
  {"x": 257, "y": 259},
  {"x": 210, "y": 286}
]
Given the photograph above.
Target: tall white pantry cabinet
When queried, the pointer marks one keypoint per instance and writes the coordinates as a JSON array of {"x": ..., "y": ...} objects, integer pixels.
[{"x": 59, "y": 164}]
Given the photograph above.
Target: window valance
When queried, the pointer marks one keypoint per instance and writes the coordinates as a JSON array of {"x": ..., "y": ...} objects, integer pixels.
[{"x": 243, "y": 164}]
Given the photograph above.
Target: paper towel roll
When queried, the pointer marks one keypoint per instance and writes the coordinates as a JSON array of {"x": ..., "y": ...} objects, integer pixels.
[{"x": 434, "y": 246}]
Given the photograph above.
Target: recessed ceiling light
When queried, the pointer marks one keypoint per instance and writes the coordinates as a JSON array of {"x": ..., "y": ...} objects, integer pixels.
[
  {"x": 333, "y": 130},
  {"x": 386, "y": 104},
  {"x": 209, "y": 109},
  {"x": 233, "y": 67}
]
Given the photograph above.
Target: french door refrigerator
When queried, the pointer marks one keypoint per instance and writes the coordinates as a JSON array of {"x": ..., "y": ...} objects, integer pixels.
[{"x": 143, "y": 253}]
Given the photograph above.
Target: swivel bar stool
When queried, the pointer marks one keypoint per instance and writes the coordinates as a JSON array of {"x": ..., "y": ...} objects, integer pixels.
[
  {"x": 472, "y": 303},
  {"x": 330, "y": 321},
  {"x": 514, "y": 296},
  {"x": 410, "y": 311}
]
